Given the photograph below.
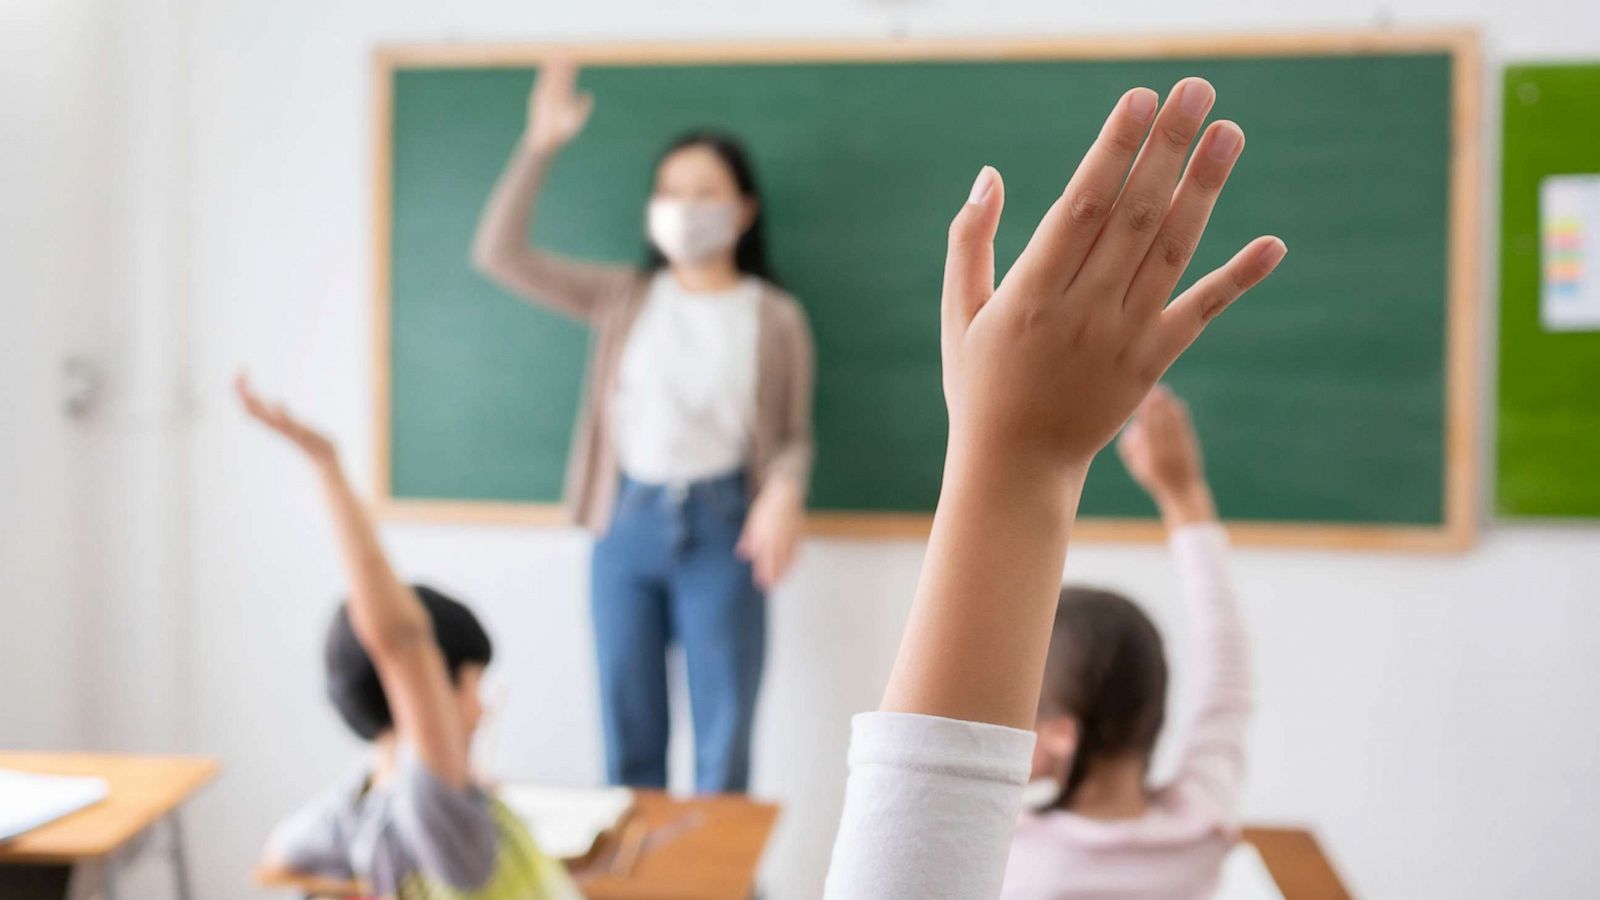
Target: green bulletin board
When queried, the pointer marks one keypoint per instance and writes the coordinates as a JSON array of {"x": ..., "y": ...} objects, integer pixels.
[{"x": 1548, "y": 444}]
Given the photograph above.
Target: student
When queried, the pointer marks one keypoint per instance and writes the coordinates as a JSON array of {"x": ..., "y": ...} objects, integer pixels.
[
  {"x": 1105, "y": 833},
  {"x": 1039, "y": 375},
  {"x": 404, "y": 665},
  {"x": 693, "y": 446}
]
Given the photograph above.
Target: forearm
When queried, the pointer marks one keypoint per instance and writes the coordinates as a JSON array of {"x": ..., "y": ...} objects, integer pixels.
[
  {"x": 1190, "y": 504},
  {"x": 383, "y": 611},
  {"x": 975, "y": 644},
  {"x": 504, "y": 228}
]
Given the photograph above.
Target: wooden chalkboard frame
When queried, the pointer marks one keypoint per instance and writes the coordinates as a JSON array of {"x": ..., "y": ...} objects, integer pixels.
[{"x": 1461, "y": 466}]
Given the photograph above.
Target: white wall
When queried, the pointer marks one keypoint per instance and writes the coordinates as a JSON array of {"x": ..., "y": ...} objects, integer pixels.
[
  {"x": 1432, "y": 716},
  {"x": 53, "y": 175}
]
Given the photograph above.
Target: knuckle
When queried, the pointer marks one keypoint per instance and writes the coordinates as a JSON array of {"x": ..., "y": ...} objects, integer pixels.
[
  {"x": 1175, "y": 250},
  {"x": 1209, "y": 180},
  {"x": 1124, "y": 141},
  {"x": 1238, "y": 281},
  {"x": 1174, "y": 137},
  {"x": 1087, "y": 207},
  {"x": 960, "y": 232},
  {"x": 1215, "y": 301},
  {"x": 1143, "y": 212}
]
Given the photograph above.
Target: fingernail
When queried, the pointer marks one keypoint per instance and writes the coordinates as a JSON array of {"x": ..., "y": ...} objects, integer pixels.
[
  {"x": 1275, "y": 252},
  {"x": 1225, "y": 142},
  {"x": 980, "y": 187},
  {"x": 1194, "y": 96},
  {"x": 1142, "y": 103}
]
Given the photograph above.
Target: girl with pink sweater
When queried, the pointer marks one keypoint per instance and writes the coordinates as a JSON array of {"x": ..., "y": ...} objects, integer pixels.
[{"x": 1105, "y": 832}]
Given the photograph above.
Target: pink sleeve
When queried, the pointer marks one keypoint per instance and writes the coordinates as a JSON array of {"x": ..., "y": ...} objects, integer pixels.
[{"x": 1211, "y": 763}]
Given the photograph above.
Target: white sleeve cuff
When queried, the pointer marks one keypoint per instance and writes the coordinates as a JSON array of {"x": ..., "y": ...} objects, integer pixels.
[
  {"x": 929, "y": 808},
  {"x": 940, "y": 746}
]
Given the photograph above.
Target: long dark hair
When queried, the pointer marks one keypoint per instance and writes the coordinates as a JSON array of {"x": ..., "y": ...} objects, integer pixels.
[
  {"x": 1107, "y": 670},
  {"x": 750, "y": 254}
]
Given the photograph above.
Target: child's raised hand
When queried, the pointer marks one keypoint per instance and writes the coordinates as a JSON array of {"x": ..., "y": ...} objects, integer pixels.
[
  {"x": 1162, "y": 453},
  {"x": 1042, "y": 371},
  {"x": 275, "y": 416}
]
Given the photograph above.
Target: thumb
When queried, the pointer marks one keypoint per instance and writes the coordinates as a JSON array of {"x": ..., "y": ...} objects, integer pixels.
[{"x": 969, "y": 259}]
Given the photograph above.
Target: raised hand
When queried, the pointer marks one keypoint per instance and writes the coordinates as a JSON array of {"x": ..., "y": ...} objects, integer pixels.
[
  {"x": 276, "y": 417},
  {"x": 556, "y": 110},
  {"x": 1162, "y": 453},
  {"x": 1043, "y": 370}
]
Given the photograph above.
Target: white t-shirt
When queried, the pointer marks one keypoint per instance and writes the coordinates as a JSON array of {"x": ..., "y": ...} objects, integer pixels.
[{"x": 685, "y": 402}]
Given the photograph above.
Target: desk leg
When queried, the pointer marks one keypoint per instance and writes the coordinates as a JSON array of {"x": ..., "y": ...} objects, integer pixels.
[{"x": 180, "y": 860}]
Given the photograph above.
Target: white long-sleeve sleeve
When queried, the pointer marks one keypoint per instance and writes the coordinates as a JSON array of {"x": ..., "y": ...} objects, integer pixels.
[{"x": 929, "y": 808}]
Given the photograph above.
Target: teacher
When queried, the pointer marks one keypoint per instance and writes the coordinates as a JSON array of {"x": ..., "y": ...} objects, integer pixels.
[{"x": 693, "y": 443}]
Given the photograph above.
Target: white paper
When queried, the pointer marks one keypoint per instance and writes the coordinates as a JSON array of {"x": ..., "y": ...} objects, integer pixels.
[
  {"x": 1245, "y": 876},
  {"x": 1569, "y": 253},
  {"x": 28, "y": 800},
  {"x": 567, "y": 821}
]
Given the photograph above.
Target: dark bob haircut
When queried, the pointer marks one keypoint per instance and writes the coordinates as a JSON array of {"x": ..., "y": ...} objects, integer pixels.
[{"x": 353, "y": 684}]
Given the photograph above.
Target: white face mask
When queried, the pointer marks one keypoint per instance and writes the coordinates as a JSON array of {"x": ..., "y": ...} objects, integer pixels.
[{"x": 688, "y": 232}]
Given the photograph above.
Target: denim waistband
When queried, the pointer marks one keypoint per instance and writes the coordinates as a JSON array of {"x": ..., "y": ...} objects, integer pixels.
[{"x": 702, "y": 490}]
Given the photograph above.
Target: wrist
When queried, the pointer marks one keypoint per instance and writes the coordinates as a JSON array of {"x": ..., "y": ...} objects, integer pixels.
[
  {"x": 327, "y": 466},
  {"x": 1187, "y": 505},
  {"x": 539, "y": 145},
  {"x": 1014, "y": 476},
  {"x": 780, "y": 489}
]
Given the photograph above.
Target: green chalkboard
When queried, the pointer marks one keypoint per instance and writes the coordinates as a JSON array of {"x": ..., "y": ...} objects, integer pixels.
[
  {"x": 1549, "y": 424},
  {"x": 1320, "y": 398}
]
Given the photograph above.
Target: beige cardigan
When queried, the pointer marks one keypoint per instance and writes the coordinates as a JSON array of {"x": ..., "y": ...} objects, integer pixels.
[{"x": 608, "y": 298}]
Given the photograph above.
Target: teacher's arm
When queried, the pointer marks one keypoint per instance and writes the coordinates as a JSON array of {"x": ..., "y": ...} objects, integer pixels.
[
  {"x": 503, "y": 248},
  {"x": 776, "y": 523}
]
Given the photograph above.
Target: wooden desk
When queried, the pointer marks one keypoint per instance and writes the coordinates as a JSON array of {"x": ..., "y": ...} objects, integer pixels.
[
  {"x": 696, "y": 848},
  {"x": 693, "y": 848},
  {"x": 144, "y": 791},
  {"x": 1297, "y": 864}
]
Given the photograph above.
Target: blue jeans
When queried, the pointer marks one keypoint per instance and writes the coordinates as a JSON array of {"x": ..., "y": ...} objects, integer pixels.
[{"x": 666, "y": 571}]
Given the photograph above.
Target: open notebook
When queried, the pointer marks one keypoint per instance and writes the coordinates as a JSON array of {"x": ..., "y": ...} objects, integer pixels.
[
  {"x": 566, "y": 821},
  {"x": 28, "y": 800}
]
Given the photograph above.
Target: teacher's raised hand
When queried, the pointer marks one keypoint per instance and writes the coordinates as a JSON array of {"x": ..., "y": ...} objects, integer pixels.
[{"x": 556, "y": 110}]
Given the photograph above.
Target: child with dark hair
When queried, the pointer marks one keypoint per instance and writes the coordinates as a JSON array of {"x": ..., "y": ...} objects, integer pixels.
[
  {"x": 404, "y": 665},
  {"x": 353, "y": 684},
  {"x": 1104, "y": 831}
]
